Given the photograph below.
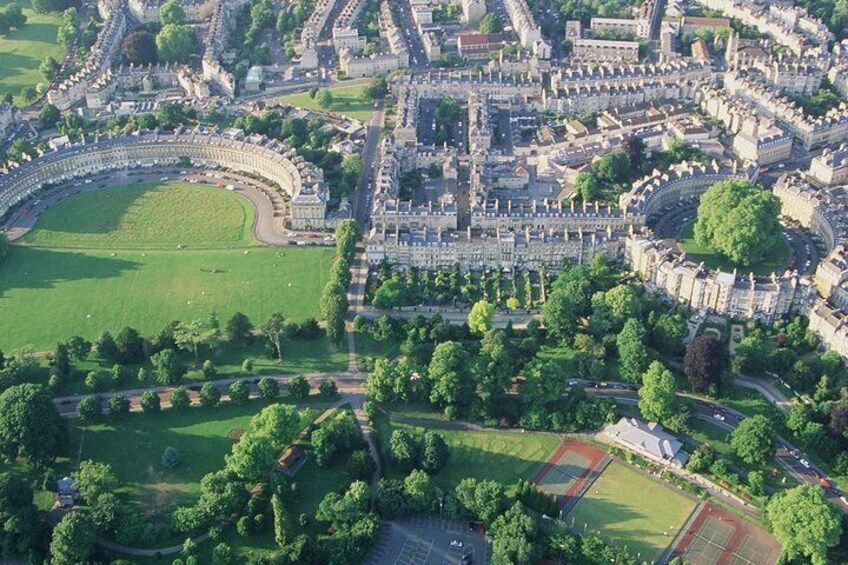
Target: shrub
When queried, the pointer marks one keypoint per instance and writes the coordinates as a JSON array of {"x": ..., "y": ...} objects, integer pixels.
[{"x": 170, "y": 458}]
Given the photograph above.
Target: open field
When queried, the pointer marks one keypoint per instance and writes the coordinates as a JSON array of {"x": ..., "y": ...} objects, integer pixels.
[
  {"x": 147, "y": 216},
  {"x": 716, "y": 537},
  {"x": 133, "y": 446},
  {"x": 347, "y": 100},
  {"x": 22, "y": 50},
  {"x": 774, "y": 262},
  {"x": 501, "y": 456},
  {"x": 50, "y": 293},
  {"x": 632, "y": 510}
]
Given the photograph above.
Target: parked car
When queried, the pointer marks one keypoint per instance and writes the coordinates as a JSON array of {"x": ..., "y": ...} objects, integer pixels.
[{"x": 804, "y": 463}]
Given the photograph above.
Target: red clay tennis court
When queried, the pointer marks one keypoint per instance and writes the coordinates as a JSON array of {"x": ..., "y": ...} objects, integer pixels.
[
  {"x": 716, "y": 537},
  {"x": 571, "y": 469}
]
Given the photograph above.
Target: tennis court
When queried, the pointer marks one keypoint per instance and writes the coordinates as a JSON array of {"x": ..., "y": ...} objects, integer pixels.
[
  {"x": 570, "y": 470},
  {"x": 716, "y": 537}
]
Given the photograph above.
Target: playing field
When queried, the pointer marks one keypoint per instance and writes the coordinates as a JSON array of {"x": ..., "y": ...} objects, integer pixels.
[
  {"x": 347, "y": 100},
  {"x": 21, "y": 51},
  {"x": 50, "y": 293},
  {"x": 632, "y": 510}
]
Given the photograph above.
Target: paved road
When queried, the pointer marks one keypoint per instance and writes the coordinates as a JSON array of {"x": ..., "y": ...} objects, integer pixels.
[{"x": 361, "y": 199}]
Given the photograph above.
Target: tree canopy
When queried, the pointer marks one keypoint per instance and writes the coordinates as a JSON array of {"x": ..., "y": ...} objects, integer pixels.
[
  {"x": 30, "y": 425},
  {"x": 739, "y": 220},
  {"x": 657, "y": 396},
  {"x": 804, "y": 523},
  {"x": 753, "y": 439}
]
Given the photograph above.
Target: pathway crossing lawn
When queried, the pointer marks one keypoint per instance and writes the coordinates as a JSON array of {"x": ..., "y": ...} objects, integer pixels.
[
  {"x": 497, "y": 455},
  {"x": 633, "y": 510},
  {"x": 347, "y": 100},
  {"x": 21, "y": 51},
  {"x": 134, "y": 445}
]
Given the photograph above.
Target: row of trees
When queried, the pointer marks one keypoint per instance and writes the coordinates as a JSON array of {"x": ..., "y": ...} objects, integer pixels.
[{"x": 334, "y": 297}]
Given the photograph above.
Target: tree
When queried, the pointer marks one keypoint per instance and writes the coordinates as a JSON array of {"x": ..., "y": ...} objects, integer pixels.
[
  {"x": 192, "y": 335},
  {"x": 30, "y": 425},
  {"x": 222, "y": 554},
  {"x": 119, "y": 405},
  {"x": 421, "y": 493},
  {"x": 586, "y": 185},
  {"x": 49, "y": 115},
  {"x": 613, "y": 167},
  {"x": 90, "y": 409},
  {"x": 495, "y": 365},
  {"x": 634, "y": 148},
  {"x": 514, "y": 535},
  {"x": 324, "y": 99},
  {"x": 239, "y": 329},
  {"x": 175, "y": 43},
  {"x": 130, "y": 346},
  {"x": 93, "y": 479},
  {"x": 150, "y": 402},
  {"x": 167, "y": 367},
  {"x": 560, "y": 315},
  {"x": 139, "y": 47},
  {"x": 657, "y": 395},
  {"x": 239, "y": 392},
  {"x": 48, "y": 69},
  {"x": 73, "y": 539},
  {"x": 377, "y": 89},
  {"x": 739, "y": 220},
  {"x": 256, "y": 451},
  {"x": 60, "y": 362},
  {"x": 78, "y": 346},
  {"x": 753, "y": 440},
  {"x": 19, "y": 516},
  {"x": 490, "y": 23},
  {"x": 403, "y": 450},
  {"x": 632, "y": 352},
  {"x": 210, "y": 396},
  {"x": 180, "y": 400},
  {"x": 804, "y": 523},
  {"x": 269, "y": 389},
  {"x": 69, "y": 28},
  {"x": 328, "y": 388},
  {"x": 483, "y": 500},
  {"x": 360, "y": 465},
  {"x": 299, "y": 388},
  {"x": 703, "y": 362},
  {"x": 434, "y": 452},
  {"x": 171, "y": 12},
  {"x": 107, "y": 348},
  {"x": 274, "y": 330},
  {"x": 392, "y": 292},
  {"x": 448, "y": 373},
  {"x": 481, "y": 317},
  {"x": 12, "y": 17}
]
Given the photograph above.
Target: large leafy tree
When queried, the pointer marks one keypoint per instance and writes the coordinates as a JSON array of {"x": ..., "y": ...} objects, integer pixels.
[
  {"x": 804, "y": 523},
  {"x": 175, "y": 43},
  {"x": 73, "y": 539},
  {"x": 482, "y": 500},
  {"x": 481, "y": 316},
  {"x": 739, "y": 220},
  {"x": 703, "y": 362},
  {"x": 514, "y": 534},
  {"x": 18, "y": 515},
  {"x": 30, "y": 425},
  {"x": 495, "y": 366},
  {"x": 657, "y": 395},
  {"x": 753, "y": 439},
  {"x": 172, "y": 13},
  {"x": 560, "y": 314},
  {"x": 632, "y": 351},
  {"x": 448, "y": 372},
  {"x": 270, "y": 430},
  {"x": 139, "y": 47}
]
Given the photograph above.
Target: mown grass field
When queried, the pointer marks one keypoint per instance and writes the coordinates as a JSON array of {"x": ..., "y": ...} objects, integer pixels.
[
  {"x": 347, "y": 100},
  {"x": 773, "y": 262},
  {"x": 632, "y": 510},
  {"x": 22, "y": 50},
  {"x": 50, "y": 293},
  {"x": 145, "y": 216},
  {"x": 133, "y": 446},
  {"x": 500, "y": 456}
]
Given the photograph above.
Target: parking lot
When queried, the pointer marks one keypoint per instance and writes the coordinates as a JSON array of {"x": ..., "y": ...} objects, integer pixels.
[{"x": 426, "y": 541}]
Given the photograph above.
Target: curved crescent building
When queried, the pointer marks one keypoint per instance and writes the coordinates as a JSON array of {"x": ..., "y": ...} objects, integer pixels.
[{"x": 275, "y": 163}]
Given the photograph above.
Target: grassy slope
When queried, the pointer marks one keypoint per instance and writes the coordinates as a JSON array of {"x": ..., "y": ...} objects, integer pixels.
[
  {"x": 775, "y": 261},
  {"x": 48, "y": 294},
  {"x": 22, "y": 51},
  {"x": 632, "y": 510},
  {"x": 346, "y": 100},
  {"x": 144, "y": 216}
]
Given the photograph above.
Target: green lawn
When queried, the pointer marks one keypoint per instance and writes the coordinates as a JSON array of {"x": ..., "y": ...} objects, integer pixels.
[
  {"x": 99, "y": 265},
  {"x": 347, "y": 100},
  {"x": 147, "y": 216},
  {"x": 633, "y": 510},
  {"x": 774, "y": 262},
  {"x": 22, "y": 50},
  {"x": 501, "y": 456},
  {"x": 133, "y": 446}
]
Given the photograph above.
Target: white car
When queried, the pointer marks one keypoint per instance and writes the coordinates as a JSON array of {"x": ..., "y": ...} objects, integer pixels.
[
  {"x": 844, "y": 499},
  {"x": 719, "y": 417},
  {"x": 456, "y": 543},
  {"x": 805, "y": 463}
]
